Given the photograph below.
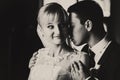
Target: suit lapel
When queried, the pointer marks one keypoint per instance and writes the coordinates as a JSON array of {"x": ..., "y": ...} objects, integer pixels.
[
  {"x": 106, "y": 55},
  {"x": 109, "y": 63}
]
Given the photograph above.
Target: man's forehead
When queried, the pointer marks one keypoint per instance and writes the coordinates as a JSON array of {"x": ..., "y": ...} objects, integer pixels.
[{"x": 74, "y": 16}]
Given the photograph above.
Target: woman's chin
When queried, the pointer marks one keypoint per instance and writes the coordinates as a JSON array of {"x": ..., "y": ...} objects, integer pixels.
[{"x": 57, "y": 41}]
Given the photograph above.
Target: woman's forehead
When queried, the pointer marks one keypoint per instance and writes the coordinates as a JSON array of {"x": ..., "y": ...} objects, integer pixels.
[{"x": 49, "y": 18}]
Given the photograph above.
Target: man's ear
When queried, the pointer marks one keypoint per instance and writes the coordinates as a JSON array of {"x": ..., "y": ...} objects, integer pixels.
[{"x": 88, "y": 25}]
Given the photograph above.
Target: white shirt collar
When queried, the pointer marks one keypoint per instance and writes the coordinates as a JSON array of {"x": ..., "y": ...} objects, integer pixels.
[{"x": 99, "y": 49}]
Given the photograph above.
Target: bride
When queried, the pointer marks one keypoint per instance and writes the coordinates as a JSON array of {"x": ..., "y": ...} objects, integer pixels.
[{"x": 55, "y": 60}]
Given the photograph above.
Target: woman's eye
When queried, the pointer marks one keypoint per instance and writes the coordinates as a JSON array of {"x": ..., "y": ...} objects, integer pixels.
[{"x": 50, "y": 26}]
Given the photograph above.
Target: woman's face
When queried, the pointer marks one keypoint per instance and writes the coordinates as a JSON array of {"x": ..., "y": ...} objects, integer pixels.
[{"x": 50, "y": 26}]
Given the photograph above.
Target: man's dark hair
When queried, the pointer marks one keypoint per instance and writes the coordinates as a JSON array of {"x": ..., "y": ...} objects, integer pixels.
[{"x": 89, "y": 10}]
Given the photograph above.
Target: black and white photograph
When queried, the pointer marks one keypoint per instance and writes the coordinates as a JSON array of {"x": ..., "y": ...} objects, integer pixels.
[{"x": 60, "y": 40}]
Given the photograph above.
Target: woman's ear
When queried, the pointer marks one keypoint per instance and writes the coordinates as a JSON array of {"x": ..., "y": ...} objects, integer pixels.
[
  {"x": 42, "y": 36},
  {"x": 40, "y": 31},
  {"x": 88, "y": 25},
  {"x": 39, "y": 27}
]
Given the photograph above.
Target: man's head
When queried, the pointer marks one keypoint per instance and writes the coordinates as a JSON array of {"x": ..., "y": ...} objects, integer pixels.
[{"x": 86, "y": 18}]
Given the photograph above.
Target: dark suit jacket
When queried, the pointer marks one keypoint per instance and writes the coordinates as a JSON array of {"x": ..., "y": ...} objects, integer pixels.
[{"x": 110, "y": 63}]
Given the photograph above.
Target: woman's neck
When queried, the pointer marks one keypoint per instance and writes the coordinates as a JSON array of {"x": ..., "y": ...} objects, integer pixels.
[
  {"x": 61, "y": 49},
  {"x": 56, "y": 49}
]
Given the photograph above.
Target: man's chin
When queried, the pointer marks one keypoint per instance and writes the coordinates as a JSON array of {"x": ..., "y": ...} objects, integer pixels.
[{"x": 76, "y": 43}]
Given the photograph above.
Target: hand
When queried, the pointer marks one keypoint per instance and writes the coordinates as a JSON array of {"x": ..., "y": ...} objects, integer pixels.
[
  {"x": 85, "y": 59},
  {"x": 33, "y": 60},
  {"x": 79, "y": 71}
]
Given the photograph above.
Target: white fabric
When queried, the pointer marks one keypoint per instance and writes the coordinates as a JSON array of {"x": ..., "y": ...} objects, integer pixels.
[{"x": 48, "y": 67}]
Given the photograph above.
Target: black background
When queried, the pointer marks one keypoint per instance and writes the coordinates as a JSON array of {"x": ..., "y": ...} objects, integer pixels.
[{"x": 19, "y": 38}]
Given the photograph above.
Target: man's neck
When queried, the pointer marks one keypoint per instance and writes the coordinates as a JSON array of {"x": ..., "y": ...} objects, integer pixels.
[{"x": 95, "y": 39}]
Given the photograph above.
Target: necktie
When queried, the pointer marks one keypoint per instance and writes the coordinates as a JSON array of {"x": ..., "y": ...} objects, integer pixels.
[
  {"x": 92, "y": 61},
  {"x": 93, "y": 71}
]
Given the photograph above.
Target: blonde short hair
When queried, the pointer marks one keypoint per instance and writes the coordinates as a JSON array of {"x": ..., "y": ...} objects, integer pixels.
[{"x": 52, "y": 9}]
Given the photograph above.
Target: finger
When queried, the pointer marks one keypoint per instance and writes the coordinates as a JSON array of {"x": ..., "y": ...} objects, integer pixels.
[
  {"x": 72, "y": 71},
  {"x": 73, "y": 68},
  {"x": 77, "y": 65},
  {"x": 84, "y": 69},
  {"x": 31, "y": 64},
  {"x": 33, "y": 60},
  {"x": 74, "y": 74},
  {"x": 81, "y": 65},
  {"x": 35, "y": 55}
]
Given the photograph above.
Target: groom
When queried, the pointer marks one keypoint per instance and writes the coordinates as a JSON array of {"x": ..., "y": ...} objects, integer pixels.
[{"x": 86, "y": 20}]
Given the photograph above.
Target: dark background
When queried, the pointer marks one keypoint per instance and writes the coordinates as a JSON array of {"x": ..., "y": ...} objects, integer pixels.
[{"x": 19, "y": 38}]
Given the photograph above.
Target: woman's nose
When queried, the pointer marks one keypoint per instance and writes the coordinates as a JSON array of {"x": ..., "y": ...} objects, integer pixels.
[{"x": 56, "y": 30}]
